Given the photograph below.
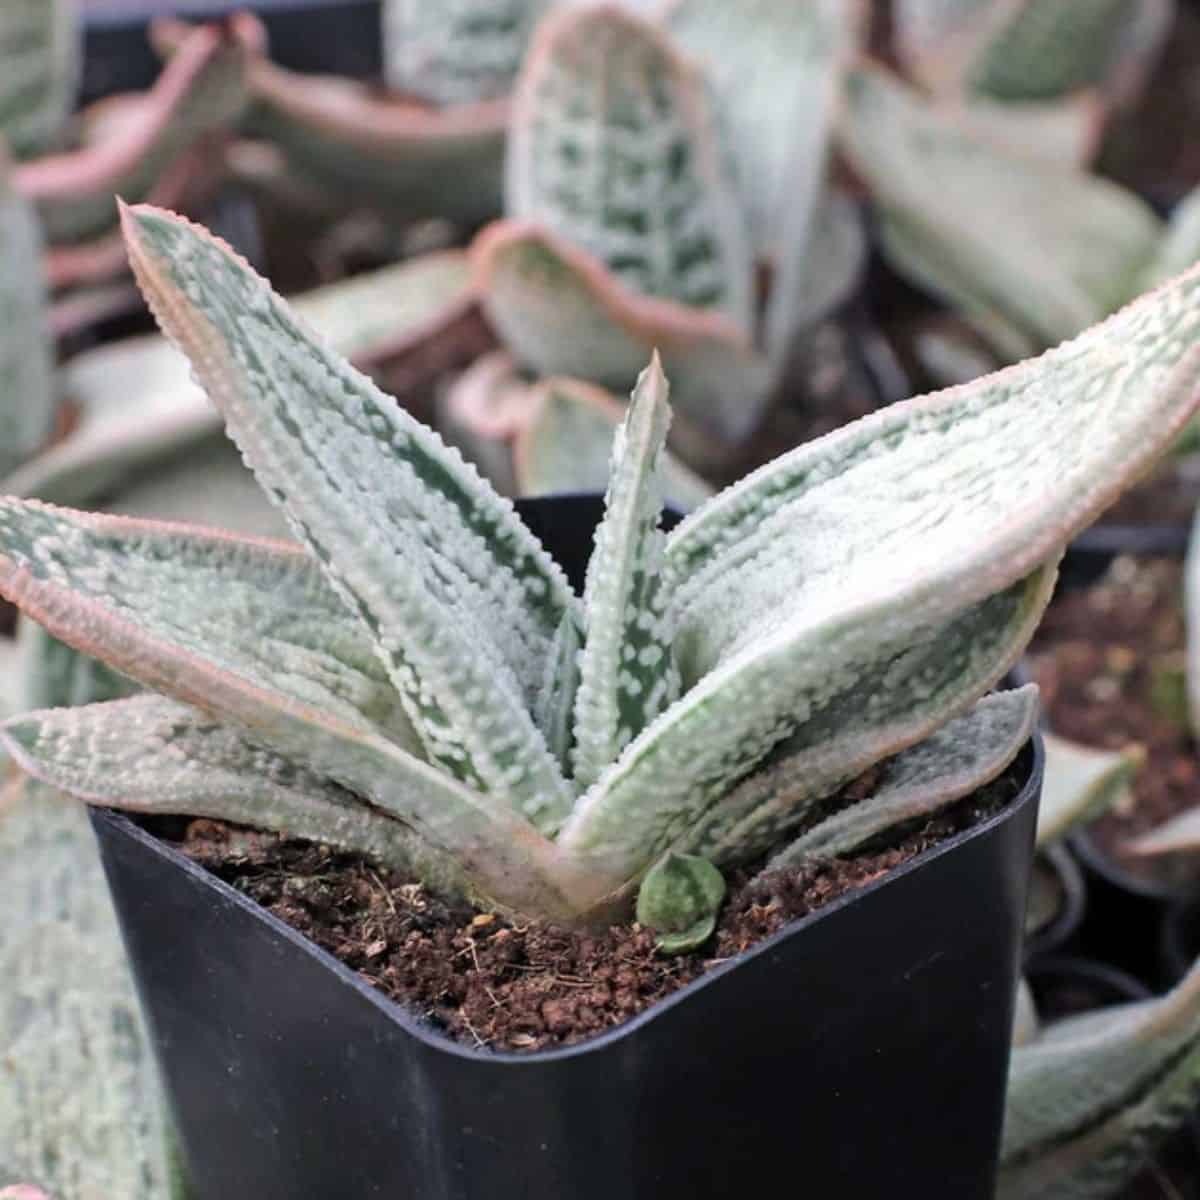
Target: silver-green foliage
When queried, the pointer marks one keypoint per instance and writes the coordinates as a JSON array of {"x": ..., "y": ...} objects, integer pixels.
[
  {"x": 27, "y": 390},
  {"x": 39, "y": 62},
  {"x": 420, "y": 651}
]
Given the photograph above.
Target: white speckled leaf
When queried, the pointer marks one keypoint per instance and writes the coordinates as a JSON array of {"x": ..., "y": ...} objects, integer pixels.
[
  {"x": 1049, "y": 250},
  {"x": 808, "y": 575},
  {"x": 566, "y": 446},
  {"x": 560, "y": 312},
  {"x": 626, "y": 673},
  {"x": 773, "y": 66},
  {"x": 613, "y": 147},
  {"x": 955, "y": 760},
  {"x": 456, "y": 51},
  {"x": 39, "y": 64},
  {"x": 28, "y": 396},
  {"x": 462, "y": 601},
  {"x": 130, "y": 143},
  {"x": 80, "y": 1109},
  {"x": 1089, "y": 1096},
  {"x": 912, "y": 694},
  {"x": 154, "y": 755},
  {"x": 1080, "y": 783}
]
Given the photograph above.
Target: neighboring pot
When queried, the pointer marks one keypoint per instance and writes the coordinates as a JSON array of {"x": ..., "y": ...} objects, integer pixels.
[
  {"x": 1065, "y": 985},
  {"x": 1179, "y": 945},
  {"x": 862, "y": 1051},
  {"x": 1056, "y": 887}
]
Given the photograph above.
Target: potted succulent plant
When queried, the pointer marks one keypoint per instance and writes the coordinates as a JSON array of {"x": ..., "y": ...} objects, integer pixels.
[{"x": 419, "y": 681}]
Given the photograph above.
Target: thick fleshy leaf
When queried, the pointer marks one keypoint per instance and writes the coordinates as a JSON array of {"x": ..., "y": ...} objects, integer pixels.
[
  {"x": 51, "y": 674},
  {"x": 935, "y": 38},
  {"x": 614, "y": 149},
  {"x": 801, "y": 583},
  {"x": 250, "y": 632},
  {"x": 561, "y": 312},
  {"x": 565, "y": 445},
  {"x": 154, "y": 755},
  {"x": 938, "y": 675},
  {"x": 385, "y": 152},
  {"x": 626, "y": 672},
  {"x": 458, "y": 51},
  {"x": 129, "y": 143},
  {"x": 1191, "y": 614},
  {"x": 1062, "y": 250},
  {"x": 28, "y": 398},
  {"x": 1179, "y": 835},
  {"x": 959, "y": 758},
  {"x": 137, "y": 404},
  {"x": 1066, "y": 132},
  {"x": 39, "y": 64},
  {"x": 1080, "y": 783},
  {"x": 679, "y": 900},
  {"x": 1180, "y": 247},
  {"x": 80, "y": 1105},
  {"x": 462, "y": 601},
  {"x": 1088, "y": 1098},
  {"x": 773, "y": 66}
]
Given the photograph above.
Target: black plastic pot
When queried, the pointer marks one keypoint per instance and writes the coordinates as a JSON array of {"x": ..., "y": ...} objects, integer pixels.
[
  {"x": 1179, "y": 944},
  {"x": 860, "y": 1052},
  {"x": 1067, "y": 879},
  {"x": 1065, "y": 985},
  {"x": 338, "y": 37}
]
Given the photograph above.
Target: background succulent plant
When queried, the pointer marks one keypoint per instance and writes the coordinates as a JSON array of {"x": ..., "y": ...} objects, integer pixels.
[
  {"x": 697, "y": 717},
  {"x": 39, "y": 63}
]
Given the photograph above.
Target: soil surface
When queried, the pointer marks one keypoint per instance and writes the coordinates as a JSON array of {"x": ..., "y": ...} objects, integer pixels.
[
  {"x": 1109, "y": 659},
  {"x": 487, "y": 982}
]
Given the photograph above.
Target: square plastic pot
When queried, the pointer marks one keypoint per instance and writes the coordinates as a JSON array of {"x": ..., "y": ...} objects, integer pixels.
[{"x": 861, "y": 1052}]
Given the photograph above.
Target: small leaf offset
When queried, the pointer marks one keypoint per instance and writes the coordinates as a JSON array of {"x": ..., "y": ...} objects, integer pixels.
[
  {"x": 679, "y": 899},
  {"x": 627, "y": 674},
  {"x": 1090, "y": 1095},
  {"x": 465, "y": 625},
  {"x": 1080, "y": 783},
  {"x": 613, "y": 147},
  {"x": 959, "y": 758}
]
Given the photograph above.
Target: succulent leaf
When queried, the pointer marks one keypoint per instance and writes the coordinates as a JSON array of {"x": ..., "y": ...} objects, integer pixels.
[
  {"x": 566, "y": 445},
  {"x": 1074, "y": 246},
  {"x": 1179, "y": 835},
  {"x": 80, "y": 1105},
  {"x": 679, "y": 899},
  {"x": 561, "y": 312},
  {"x": 773, "y": 66},
  {"x": 465, "y": 626},
  {"x": 1088, "y": 1097},
  {"x": 1067, "y": 132},
  {"x": 1080, "y": 783},
  {"x": 1191, "y": 615},
  {"x": 1180, "y": 246},
  {"x": 28, "y": 399},
  {"x": 150, "y": 754},
  {"x": 613, "y": 148},
  {"x": 960, "y": 757},
  {"x": 1025, "y": 1017},
  {"x": 627, "y": 675},
  {"x": 129, "y": 144},
  {"x": 458, "y": 51},
  {"x": 811, "y": 573},
  {"x": 39, "y": 64}
]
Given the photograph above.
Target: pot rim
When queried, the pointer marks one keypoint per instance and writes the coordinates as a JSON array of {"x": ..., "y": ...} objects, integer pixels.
[{"x": 1033, "y": 753}]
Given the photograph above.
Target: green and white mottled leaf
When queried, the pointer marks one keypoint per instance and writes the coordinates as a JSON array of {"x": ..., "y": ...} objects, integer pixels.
[
  {"x": 153, "y": 755},
  {"x": 461, "y": 599},
  {"x": 456, "y": 51},
  {"x": 129, "y": 144},
  {"x": 565, "y": 445},
  {"x": 626, "y": 672},
  {"x": 39, "y": 67},
  {"x": 80, "y": 1107},
  {"x": 1088, "y": 1098},
  {"x": 679, "y": 899},
  {"x": 912, "y": 694},
  {"x": 613, "y": 147},
  {"x": 28, "y": 398},
  {"x": 1080, "y": 783},
  {"x": 773, "y": 66},
  {"x": 796, "y": 587},
  {"x": 1020, "y": 245},
  {"x": 560, "y": 312},
  {"x": 956, "y": 760}
]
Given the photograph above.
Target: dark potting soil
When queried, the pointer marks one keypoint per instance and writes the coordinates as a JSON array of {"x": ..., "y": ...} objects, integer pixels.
[
  {"x": 1109, "y": 660},
  {"x": 488, "y": 982}
]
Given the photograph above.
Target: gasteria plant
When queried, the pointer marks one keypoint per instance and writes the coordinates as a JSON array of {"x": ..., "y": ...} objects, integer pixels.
[
  {"x": 666, "y": 188},
  {"x": 417, "y": 680},
  {"x": 39, "y": 62}
]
